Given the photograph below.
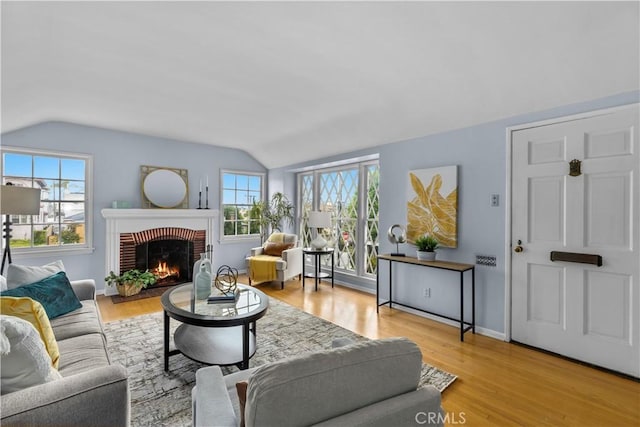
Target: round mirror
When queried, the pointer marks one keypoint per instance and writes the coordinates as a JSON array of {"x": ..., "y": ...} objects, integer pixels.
[{"x": 164, "y": 188}]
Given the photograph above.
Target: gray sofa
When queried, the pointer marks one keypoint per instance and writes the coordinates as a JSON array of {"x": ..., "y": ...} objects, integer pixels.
[
  {"x": 373, "y": 383},
  {"x": 92, "y": 391}
]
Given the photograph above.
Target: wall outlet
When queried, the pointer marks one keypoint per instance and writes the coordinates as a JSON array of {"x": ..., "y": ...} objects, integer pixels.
[
  {"x": 488, "y": 260},
  {"x": 495, "y": 200},
  {"x": 426, "y": 292}
]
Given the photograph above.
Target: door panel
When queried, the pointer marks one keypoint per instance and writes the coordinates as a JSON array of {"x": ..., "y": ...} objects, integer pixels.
[
  {"x": 544, "y": 152},
  {"x": 546, "y": 209},
  {"x": 582, "y": 311},
  {"x": 608, "y": 216},
  {"x": 608, "y": 143},
  {"x": 607, "y": 308},
  {"x": 546, "y": 290}
]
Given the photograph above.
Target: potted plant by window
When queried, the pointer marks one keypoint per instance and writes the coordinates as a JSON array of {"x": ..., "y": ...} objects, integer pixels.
[
  {"x": 271, "y": 214},
  {"x": 426, "y": 245},
  {"x": 130, "y": 282}
]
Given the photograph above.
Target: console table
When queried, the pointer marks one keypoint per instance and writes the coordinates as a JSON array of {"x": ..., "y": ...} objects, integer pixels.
[{"x": 443, "y": 265}]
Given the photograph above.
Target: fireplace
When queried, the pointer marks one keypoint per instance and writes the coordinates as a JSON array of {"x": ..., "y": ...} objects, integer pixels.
[
  {"x": 167, "y": 242},
  {"x": 167, "y": 252}
]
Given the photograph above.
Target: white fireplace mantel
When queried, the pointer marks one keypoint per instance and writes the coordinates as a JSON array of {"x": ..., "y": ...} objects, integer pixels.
[{"x": 134, "y": 220}]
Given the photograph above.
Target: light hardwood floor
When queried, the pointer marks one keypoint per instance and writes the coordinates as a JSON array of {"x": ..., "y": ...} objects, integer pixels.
[{"x": 499, "y": 384}]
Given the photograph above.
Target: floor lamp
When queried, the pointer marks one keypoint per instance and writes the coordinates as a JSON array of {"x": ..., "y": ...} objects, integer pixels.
[{"x": 16, "y": 201}]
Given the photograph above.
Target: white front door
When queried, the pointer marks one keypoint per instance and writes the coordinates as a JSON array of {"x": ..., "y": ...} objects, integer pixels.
[{"x": 580, "y": 310}]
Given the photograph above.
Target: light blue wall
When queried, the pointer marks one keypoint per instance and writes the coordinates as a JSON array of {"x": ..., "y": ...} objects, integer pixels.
[
  {"x": 480, "y": 153},
  {"x": 117, "y": 158}
]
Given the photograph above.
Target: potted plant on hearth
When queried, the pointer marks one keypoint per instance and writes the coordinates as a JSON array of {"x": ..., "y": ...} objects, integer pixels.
[
  {"x": 426, "y": 245},
  {"x": 130, "y": 282}
]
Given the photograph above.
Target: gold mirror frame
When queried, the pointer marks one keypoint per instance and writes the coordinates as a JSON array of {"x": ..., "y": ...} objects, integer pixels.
[{"x": 147, "y": 174}]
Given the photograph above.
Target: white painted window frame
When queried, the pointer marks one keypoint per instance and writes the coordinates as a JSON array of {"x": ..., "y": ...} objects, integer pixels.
[{"x": 42, "y": 251}]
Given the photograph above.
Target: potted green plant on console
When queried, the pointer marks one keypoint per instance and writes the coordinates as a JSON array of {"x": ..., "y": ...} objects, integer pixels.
[
  {"x": 130, "y": 282},
  {"x": 426, "y": 245}
]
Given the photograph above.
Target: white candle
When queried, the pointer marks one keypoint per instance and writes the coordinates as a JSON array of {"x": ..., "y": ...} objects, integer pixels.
[
  {"x": 207, "y": 181},
  {"x": 200, "y": 184}
]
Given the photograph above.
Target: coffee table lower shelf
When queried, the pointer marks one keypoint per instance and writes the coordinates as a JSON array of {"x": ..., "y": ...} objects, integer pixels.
[{"x": 213, "y": 346}]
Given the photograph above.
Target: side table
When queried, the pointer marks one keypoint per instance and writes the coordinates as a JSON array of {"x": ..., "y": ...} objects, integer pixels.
[{"x": 317, "y": 275}]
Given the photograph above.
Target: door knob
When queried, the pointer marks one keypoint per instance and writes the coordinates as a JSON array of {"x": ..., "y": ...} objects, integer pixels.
[{"x": 518, "y": 248}]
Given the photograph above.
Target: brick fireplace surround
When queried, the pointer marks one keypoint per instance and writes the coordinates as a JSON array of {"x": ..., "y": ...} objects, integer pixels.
[{"x": 127, "y": 225}]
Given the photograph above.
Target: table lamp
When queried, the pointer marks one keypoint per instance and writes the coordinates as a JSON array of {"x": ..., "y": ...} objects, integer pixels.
[
  {"x": 16, "y": 201},
  {"x": 319, "y": 220}
]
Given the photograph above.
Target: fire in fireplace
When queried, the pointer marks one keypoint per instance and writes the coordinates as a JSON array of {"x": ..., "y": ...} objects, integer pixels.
[
  {"x": 165, "y": 271},
  {"x": 168, "y": 259},
  {"x": 169, "y": 253}
]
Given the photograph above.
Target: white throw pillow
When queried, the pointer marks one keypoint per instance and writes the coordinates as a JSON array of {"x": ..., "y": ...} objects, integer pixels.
[
  {"x": 18, "y": 275},
  {"x": 3, "y": 283},
  {"x": 24, "y": 361}
]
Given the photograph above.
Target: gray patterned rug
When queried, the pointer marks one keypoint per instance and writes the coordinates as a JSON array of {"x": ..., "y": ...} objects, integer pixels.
[{"x": 164, "y": 399}]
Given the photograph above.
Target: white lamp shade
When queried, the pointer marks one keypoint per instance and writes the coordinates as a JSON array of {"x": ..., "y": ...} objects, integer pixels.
[
  {"x": 19, "y": 200},
  {"x": 319, "y": 219}
]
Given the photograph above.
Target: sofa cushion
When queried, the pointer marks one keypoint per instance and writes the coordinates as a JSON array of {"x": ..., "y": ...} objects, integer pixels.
[
  {"x": 24, "y": 361},
  {"x": 78, "y": 322},
  {"x": 54, "y": 293},
  {"x": 3, "y": 283},
  {"x": 33, "y": 312},
  {"x": 342, "y": 379},
  {"x": 82, "y": 354},
  {"x": 18, "y": 275}
]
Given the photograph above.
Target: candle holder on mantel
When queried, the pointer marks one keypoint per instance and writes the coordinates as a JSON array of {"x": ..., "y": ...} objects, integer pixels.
[
  {"x": 200, "y": 199},
  {"x": 207, "y": 197}
]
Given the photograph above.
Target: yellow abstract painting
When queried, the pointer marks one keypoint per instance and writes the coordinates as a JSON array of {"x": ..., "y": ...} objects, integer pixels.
[{"x": 433, "y": 205}]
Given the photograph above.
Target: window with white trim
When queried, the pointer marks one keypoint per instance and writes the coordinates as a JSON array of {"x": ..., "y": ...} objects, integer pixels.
[
  {"x": 238, "y": 192},
  {"x": 63, "y": 178},
  {"x": 350, "y": 193}
]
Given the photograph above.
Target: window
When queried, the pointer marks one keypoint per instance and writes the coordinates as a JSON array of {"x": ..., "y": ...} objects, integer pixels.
[
  {"x": 64, "y": 208},
  {"x": 350, "y": 193},
  {"x": 239, "y": 191}
]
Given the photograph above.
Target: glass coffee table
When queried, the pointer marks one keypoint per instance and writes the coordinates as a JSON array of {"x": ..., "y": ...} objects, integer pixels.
[{"x": 216, "y": 333}]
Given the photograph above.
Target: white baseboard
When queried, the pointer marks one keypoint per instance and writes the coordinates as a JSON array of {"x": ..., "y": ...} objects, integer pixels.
[
  {"x": 491, "y": 333},
  {"x": 356, "y": 287}
]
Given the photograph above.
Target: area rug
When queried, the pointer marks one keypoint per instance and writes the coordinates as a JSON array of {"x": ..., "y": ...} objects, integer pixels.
[{"x": 161, "y": 398}]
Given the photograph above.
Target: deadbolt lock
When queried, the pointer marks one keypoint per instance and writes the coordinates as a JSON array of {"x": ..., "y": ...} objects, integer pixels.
[{"x": 518, "y": 248}]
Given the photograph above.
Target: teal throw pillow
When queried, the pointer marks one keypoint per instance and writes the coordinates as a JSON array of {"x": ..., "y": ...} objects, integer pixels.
[{"x": 54, "y": 293}]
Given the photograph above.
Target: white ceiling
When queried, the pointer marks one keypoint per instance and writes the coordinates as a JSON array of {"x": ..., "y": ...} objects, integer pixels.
[{"x": 290, "y": 81}]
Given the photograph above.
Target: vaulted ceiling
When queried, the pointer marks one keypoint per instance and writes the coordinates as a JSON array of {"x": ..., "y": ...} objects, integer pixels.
[{"x": 294, "y": 81}]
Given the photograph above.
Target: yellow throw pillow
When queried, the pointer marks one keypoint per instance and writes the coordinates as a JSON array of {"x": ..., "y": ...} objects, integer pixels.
[
  {"x": 33, "y": 312},
  {"x": 276, "y": 238}
]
